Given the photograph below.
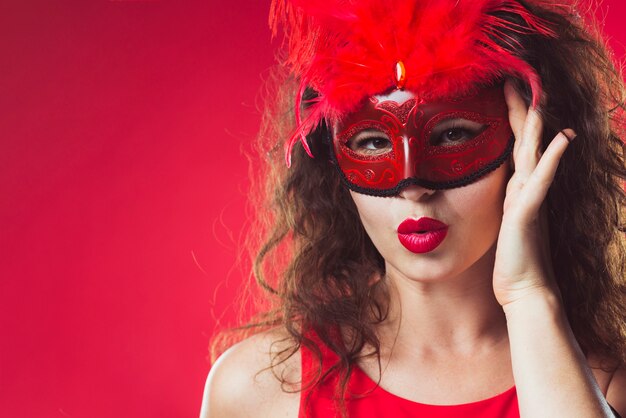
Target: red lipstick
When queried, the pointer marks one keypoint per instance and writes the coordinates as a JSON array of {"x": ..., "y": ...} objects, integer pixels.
[{"x": 422, "y": 235}]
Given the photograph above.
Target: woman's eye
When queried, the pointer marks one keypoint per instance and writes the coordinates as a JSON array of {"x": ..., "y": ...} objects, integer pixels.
[
  {"x": 370, "y": 143},
  {"x": 455, "y": 135},
  {"x": 456, "y": 131},
  {"x": 374, "y": 143}
]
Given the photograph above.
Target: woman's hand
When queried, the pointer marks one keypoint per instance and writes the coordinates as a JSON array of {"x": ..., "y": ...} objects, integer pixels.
[
  {"x": 549, "y": 368},
  {"x": 523, "y": 265}
]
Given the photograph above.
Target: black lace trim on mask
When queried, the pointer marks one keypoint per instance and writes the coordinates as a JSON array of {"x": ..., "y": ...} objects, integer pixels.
[{"x": 464, "y": 181}]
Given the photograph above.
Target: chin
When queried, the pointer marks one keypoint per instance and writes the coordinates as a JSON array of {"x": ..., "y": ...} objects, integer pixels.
[
  {"x": 425, "y": 269},
  {"x": 443, "y": 265}
]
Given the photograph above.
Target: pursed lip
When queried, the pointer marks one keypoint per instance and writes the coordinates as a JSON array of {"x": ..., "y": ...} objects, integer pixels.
[
  {"x": 422, "y": 235},
  {"x": 423, "y": 224}
]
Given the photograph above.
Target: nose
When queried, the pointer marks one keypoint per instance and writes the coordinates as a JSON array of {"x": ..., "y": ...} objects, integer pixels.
[{"x": 415, "y": 192}]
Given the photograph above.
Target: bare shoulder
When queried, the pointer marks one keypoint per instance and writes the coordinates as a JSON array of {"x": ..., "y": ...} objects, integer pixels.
[
  {"x": 611, "y": 380},
  {"x": 243, "y": 383}
]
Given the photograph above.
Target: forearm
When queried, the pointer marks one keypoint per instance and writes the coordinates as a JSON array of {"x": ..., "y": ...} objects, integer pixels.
[{"x": 551, "y": 373}]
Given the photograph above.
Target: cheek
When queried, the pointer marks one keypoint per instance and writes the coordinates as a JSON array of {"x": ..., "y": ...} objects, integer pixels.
[
  {"x": 375, "y": 214},
  {"x": 479, "y": 206}
]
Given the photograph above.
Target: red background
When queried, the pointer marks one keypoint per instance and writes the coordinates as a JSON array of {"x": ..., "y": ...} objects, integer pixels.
[{"x": 123, "y": 184}]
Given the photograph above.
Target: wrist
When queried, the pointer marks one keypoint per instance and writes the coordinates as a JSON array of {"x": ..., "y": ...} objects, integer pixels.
[{"x": 536, "y": 301}]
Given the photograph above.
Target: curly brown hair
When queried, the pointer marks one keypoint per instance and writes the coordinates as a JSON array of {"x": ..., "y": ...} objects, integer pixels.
[{"x": 321, "y": 272}]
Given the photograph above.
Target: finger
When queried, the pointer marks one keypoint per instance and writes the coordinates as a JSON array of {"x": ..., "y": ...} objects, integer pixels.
[
  {"x": 517, "y": 114},
  {"x": 517, "y": 110},
  {"x": 527, "y": 126},
  {"x": 536, "y": 188},
  {"x": 530, "y": 148}
]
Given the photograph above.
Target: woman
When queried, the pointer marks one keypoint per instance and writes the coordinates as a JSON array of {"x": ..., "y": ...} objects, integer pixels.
[{"x": 454, "y": 246}]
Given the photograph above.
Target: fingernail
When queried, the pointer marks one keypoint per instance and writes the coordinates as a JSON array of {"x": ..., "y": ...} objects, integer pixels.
[{"x": 570, "y": 134}]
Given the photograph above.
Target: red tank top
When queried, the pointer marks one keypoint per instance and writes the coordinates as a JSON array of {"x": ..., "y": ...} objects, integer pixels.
[{"x": 368, "y": 400}]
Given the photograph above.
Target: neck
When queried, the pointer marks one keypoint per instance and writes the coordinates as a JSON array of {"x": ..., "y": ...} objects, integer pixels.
[{"x": 458, "y": 314}]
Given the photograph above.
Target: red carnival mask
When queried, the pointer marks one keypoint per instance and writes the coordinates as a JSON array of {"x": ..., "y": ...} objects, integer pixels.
[
  {"x": 400, "y": 139},
  {"x": 348, "y": 51}
]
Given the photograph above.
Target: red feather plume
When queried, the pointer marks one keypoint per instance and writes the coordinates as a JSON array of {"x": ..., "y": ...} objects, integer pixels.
[{"x": 347, "y": 49}]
